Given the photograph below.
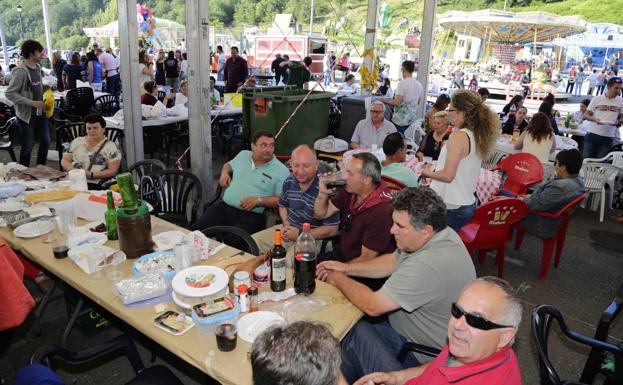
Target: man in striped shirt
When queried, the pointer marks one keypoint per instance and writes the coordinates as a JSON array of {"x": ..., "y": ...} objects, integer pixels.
[{"x": 296, "y": 204}]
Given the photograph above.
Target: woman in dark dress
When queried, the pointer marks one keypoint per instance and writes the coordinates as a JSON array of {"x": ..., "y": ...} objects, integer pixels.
[
  {"x": 160, "y": 74},
  {"x": 432, "y": 142},
  {"x": 72, "y": 72},
  {"x": 58, "y": 64},
  {"x": 516, "y": 121}
]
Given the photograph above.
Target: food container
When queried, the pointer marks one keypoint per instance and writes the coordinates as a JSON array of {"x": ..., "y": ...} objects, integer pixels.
[
  {"x": 137, "y": 289},
  {"x": 201, "y": 283},
  {"x": 160, "y": 262},
  {"x": 207, "y": 326}
]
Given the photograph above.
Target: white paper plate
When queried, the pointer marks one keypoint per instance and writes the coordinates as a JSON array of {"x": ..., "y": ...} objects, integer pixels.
[
  {"x": 168, "y": 239},
  {"x": 253, "y": 324},
  {"x": 218, "y": 284},
  {"x": 11, "y": 206},
  {"x": 33, "y": 229}
]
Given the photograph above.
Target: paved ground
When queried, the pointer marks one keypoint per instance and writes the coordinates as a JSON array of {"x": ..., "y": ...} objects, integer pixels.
[{"x": 591, "y": 270}]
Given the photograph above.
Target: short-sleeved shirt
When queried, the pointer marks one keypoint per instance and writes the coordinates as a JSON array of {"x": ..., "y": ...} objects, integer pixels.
[
  {"x": 607, "y": 110},
  {"x": 248, "y": 180},
  {"x": 366, "y": 134},
  {"x": 424, "y": 285},
  {"x": 298, "y": 75},
  {"x": 82, "y": 155},
  {"x": 410, "y": 89},
  {"x": 110, "y": 63},
  {"x": 35, "y": 83},
  {"x": 369, "y": 228},
  {"x": 73, "y": 73},
  {"x": 499, "y": 368},
  {"x": 400, "y": 173},
  {"x": 170, "y": 68},
  {"x": 300, "y": 204}
]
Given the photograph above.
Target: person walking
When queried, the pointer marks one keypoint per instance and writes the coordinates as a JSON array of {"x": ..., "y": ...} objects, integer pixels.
[
  {"x": 172, "y": 71},
  {"x": 25, "y": 91},
  {"x": 110, "y": 63}
]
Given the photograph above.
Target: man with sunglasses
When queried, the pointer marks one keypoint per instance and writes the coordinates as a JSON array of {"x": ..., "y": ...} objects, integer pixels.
[
  {"x": 372, "y": 131},
  {"x": 481, "y": 330},
  {"x": 425, "y": 274}
]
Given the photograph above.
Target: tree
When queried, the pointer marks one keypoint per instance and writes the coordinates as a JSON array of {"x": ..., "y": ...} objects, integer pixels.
[{"x": 245, "y": 12}]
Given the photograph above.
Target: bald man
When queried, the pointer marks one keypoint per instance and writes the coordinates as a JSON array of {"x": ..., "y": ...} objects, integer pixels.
[
  {"x": 296, "y": 204},
  {"x": 481, "y": 330}
]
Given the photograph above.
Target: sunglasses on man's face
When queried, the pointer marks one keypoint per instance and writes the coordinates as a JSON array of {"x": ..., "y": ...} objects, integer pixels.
[{"x": 473, "y": 320}]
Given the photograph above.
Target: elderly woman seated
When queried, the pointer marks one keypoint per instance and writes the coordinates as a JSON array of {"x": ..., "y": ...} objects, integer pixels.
[{"x": 98, "y": 156}]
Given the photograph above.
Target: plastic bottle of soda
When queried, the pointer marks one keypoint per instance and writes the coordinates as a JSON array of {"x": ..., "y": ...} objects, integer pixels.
[{"x": 305, "y": 262}]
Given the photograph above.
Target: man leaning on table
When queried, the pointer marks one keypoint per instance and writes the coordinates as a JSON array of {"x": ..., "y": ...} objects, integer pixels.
[
  {"x": 252, "y": 182},
  {"x": 373, "y": 130},
  {"x": 425, "y": 275},
  {"x": 481, "y": 331},
  {"x": 296, "y": 204}
]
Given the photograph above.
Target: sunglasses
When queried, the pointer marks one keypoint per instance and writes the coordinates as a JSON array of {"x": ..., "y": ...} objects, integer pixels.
[{"x": 473, "y": 320}]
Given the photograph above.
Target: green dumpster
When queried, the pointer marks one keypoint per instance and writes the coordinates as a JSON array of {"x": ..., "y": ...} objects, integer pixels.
[
  {"x": 268, "y": 110},
  {"x": 248, "y": 103}
]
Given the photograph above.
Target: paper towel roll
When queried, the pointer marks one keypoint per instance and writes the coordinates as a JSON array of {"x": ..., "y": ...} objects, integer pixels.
[{"x": 78, "y": 180}]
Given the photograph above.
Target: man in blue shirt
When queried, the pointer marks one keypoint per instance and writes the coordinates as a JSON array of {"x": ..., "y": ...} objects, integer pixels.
[
  {"x": 253, "y": 181},
  {"x": 296, "y": 204}
]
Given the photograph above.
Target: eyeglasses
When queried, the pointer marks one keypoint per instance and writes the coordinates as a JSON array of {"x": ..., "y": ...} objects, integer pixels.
[
  {"x": 376, "y": 112},
  {"x": 473, "y": 320}
]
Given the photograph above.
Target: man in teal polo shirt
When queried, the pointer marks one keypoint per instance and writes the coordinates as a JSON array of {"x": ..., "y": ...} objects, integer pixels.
[{"x": 253, "y": 181}]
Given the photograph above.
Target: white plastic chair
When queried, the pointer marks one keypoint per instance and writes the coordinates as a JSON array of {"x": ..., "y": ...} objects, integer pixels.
[
  {"x": 616, "y": 159},
  {"x": 414, "y": 132},
  {"x": 595, "y": 177},
  {"x": 564, "y": 143},
  {"x": 495, "y": 158}
]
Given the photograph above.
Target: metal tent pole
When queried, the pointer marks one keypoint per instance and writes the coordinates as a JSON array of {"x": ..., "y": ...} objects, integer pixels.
[
  {"x": 46, "y": 25},
  {"x": 198, "y": 48},
  {"x": 132, "y": 117},
  {"x": 3, "y": 39},
  {"x": 426, "y": 45},
  {"x": 370, "y": 37}
]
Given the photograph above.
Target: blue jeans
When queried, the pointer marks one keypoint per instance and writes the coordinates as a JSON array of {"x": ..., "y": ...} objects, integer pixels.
[
  {"x": 373, "y": 347},
  {"x": 113, "y": 85},
  {"x": 457, "y": 218},
  {"x": 327, "y": 78},
  {"x": 596, "y": 146},
  {"x": 401, "y": 129},
  {"x": 40, "y": 125}
]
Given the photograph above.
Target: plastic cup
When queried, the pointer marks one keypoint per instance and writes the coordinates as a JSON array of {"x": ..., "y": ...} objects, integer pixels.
[{"x": 226, "y": 336}]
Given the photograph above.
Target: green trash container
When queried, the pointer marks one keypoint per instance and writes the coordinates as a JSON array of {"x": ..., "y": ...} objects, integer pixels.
[
  {"x": 248, "y": 103},
  {"x": 268, "y": 110}
]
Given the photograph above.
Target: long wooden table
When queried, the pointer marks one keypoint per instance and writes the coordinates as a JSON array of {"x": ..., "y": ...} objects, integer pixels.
[{"x": 193, "y": 347}]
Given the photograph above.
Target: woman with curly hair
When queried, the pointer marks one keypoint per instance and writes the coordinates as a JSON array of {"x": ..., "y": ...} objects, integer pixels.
[
  {"x": 538, "y": 138},
  {"x": 458, "y": 168}
]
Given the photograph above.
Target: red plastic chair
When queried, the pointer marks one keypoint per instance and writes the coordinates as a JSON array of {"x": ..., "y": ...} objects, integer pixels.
[
  {"x": 393, "y": 184},
  {"x": 564, "y": 214},
  {"x": 490, "y": 228},
  {"x": 522, "y": 171}
]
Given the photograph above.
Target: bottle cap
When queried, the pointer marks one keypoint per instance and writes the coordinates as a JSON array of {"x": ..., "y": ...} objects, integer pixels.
[
  {"x": 243, "y": 289},
  {"x": 306, "y": 226},
  {"x": 277, "y": 237},
  {"x": 241, "y": 275},
  {"x": 253, "y": 290}
]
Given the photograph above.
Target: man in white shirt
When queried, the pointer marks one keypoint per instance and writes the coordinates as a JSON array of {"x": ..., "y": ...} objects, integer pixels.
[
  {"x": 372, "y": 132},
  {"x": 222, "y": 59},
  {"x": 603, "y": 117},
  {"x": 406, "y": 98},
  {"x": 348, "y": 87},
  {"x": 592, "y": 82},
  {"x": 110, "y": 63}
]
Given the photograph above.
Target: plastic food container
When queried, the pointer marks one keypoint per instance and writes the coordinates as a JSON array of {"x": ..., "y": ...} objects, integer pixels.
[{"x": 207, "y": 326}]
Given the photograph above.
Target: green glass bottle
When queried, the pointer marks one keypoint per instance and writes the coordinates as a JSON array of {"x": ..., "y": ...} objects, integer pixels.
[
  {"x": 110, "y": 217},
  {"x": 128, "y": 193}
]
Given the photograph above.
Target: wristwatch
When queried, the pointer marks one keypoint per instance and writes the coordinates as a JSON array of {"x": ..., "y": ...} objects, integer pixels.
[{"x": 259, "y": 201}]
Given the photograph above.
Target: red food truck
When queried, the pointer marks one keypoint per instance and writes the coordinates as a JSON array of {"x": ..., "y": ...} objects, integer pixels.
[{"x": 296, "y": 47}]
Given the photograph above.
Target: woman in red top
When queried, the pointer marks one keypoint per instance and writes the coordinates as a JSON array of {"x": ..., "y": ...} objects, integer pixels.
[{"x": 150, "y": 97}]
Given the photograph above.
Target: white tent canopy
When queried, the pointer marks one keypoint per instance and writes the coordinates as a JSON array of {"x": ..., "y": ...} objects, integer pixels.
[{"x": 112, "y": 29}]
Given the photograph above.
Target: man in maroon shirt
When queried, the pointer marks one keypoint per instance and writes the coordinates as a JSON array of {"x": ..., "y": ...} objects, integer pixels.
[
  {"x": 235, "y": 71},
  {"x": 481, "y": 330},
  {"x": 366, "y": 211}
]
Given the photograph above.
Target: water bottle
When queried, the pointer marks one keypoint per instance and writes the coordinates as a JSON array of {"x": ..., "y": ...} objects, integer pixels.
[{"x": 305, "y": 262}]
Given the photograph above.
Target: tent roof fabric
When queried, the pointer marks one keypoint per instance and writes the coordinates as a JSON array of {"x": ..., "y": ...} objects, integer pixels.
[
  {"x": 510, "y": 27},
  {"x": 112, "y": 29}
]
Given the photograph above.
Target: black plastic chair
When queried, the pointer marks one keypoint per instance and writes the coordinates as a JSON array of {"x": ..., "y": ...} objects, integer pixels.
[
  {"x": 107, "y": 105},
  {"x": 234, "y": 237},
  {"x": 178, "y": 138},
  {"x": 542, "y": 318},
  {"x": 616, "y": 147},
  {"x": 6, "y": 132},
  {"x": 176, "y": 192},
  {"x": 412, "y": 347},
  {"x": 6, "y": 112},
  {"x": 144, "y": 168},
  {"x": 65, "y": 135},
  {"x": 161, "y": 96},
  {"x": 116, "y": 136},
  {"x": 154, "y": 375},
  {"x": 80, "y": 101}
]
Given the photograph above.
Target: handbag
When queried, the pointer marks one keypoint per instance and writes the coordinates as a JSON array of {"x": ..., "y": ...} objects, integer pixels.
[{"x": 97, "y": 152}]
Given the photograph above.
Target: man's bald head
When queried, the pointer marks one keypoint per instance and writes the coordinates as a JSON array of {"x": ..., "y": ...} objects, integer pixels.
[{"x": 304, "y": 164}]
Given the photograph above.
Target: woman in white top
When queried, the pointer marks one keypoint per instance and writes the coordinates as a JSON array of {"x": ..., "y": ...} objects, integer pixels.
[
  {"x": 145, "y": 66},
  {"x": 538, "y": 138},
  {"x": 458, "y": 167}
]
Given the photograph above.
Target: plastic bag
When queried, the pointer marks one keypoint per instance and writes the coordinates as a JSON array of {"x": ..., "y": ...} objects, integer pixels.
[{"x": 296, "y": 308}]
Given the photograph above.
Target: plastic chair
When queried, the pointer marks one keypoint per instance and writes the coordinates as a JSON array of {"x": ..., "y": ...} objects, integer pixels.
[
  {"x": 156, "y": 375},
  {"x": 409, "y": 347},
  {"x": 234, "y": 237},
  {"x": 6, "y": 112},
  {"x": 5, "y": 131},
  {"x": 176, "y": 193},
  {"x": 596, "y": 175},
  {"x": 65, "y": 135},
  {"x": 493, "y": 160},
  {"x": 566, "y": 142},
  {"x": 414, "y": 132},
  {"x": 564, "y": 214},
  {"x": 80, "y": 101},
  {"x": 393, "y": 184},
  {"x": 616, "y": 159},
  {"x": 490, "y": 228},
  {"x": 145, "y": 167},
  {"x": 522, "y": 171},
  {"x": 107, "y": 105},
  {"x": 161, "y": 96},
  {"x": 542, "y": 318},
  {"x": 116, "y": 136}
]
